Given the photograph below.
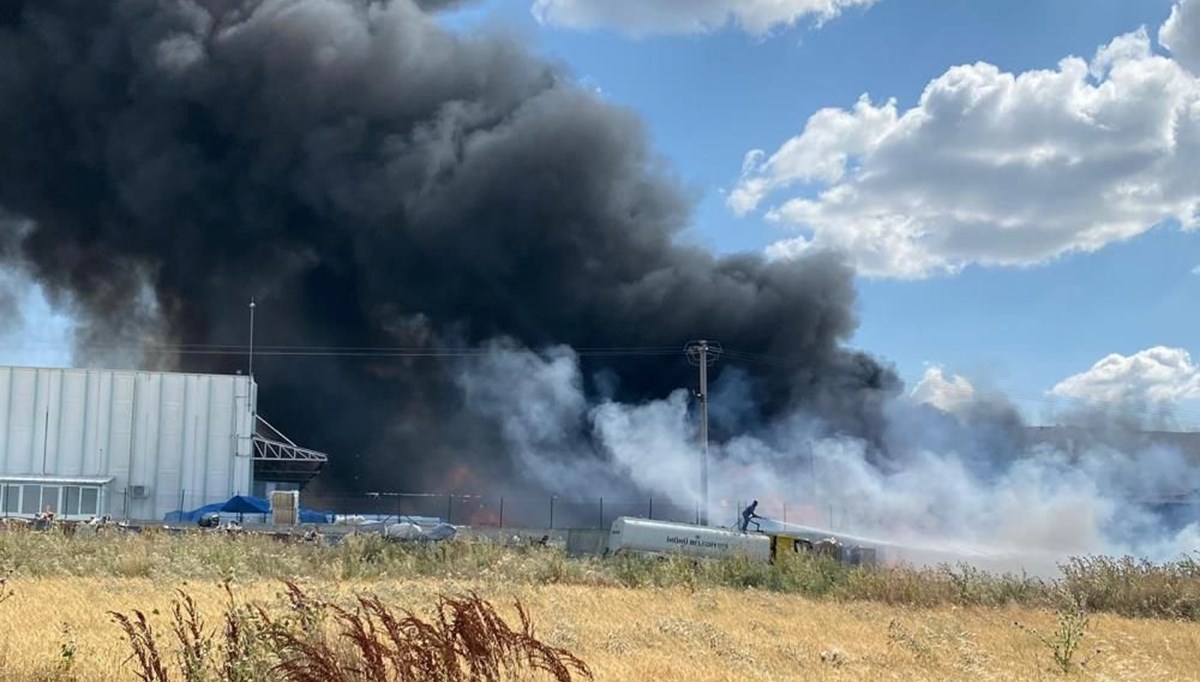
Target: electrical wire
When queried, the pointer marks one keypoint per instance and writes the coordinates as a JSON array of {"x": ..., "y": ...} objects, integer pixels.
[
  {"x": 340, "y": 351},
  {"x": 402, "y": 352}
]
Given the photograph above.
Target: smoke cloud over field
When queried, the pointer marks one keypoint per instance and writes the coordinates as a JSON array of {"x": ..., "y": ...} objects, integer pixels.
[
  {"x": 373, "y": 180},
  {"x": 972, "y": 484}
]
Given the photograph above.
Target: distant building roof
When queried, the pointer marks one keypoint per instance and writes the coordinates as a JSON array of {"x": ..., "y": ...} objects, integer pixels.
[
  {"x": 44, "y": 479},
  {"x": 48, "y": 368}
]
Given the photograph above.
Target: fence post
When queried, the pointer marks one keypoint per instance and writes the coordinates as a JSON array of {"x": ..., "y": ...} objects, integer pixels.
[
  {"x": 502, "y": 512},
  {"x": 180, "y": 505},
  {"x": 650, "y": 514},
  {"x": 601, "y": 512},
  {"x": 449, "y": 508},
  {"x": 552, "y": 512}
]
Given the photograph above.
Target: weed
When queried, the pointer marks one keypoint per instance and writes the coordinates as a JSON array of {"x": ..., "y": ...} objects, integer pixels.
[
  {"x": 195, "y": 645},
  {"x": 67, "y": 649},
  {"x": 833, "y": 657},
  {"x": 245, "y": 653},
  {"x": 899, "y": 636},
  {"x": 968, "y": 582},
  {"x": 1124, "y": 586},
  {"x": 1065, "y": 641},
  {"x": 151, "y": 667},
  {"x": 309, "y": 616},
  {"x": 466, "y": 641},
  {"x": 135, "y": 566}
]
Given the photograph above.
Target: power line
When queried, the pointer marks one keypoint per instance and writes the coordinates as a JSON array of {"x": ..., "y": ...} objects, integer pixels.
[
  {"x": 337, "y": 351},
  {"x": 417, "y": 352}
]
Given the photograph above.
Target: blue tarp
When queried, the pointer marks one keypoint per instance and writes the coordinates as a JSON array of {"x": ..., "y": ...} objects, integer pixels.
[
  {"x": 242, "y": 504},
  {"x": 193, "y": 515},
  {"x": 312, "y": 516}
]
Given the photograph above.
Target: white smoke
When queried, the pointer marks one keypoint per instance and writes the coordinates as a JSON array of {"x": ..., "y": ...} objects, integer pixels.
[
  {"x": 32, "y": 332},
  {"x": 538, "y": 403},
  {"x": 946, "y": 483}
]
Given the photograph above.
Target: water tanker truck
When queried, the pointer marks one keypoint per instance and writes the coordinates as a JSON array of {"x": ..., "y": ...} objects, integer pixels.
[
  {"x": 645, "y": 536},
  {"x": 663, "y": 538}
]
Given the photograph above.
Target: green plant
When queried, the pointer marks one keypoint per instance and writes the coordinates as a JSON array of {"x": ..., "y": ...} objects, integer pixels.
[
  {"x": 246, "y": 656},
  {"x": 1066, "y": 640},
  {"x": 67, "y": 649},
  {"x": 307, "y": 615},
  {"x": 969, "y": 582}
]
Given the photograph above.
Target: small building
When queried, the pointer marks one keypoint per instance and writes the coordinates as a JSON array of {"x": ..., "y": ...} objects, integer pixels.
[{"x": 136, "y": 445}]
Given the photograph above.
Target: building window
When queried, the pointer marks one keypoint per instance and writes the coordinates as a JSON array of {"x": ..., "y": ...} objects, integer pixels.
[
  {"x": 89, "y": 499},
  {"x": 31, "y": 496},
  {"x": 79, "y": 500},
  {"x": 12, "y": 499},
  {"x": 70, "y": 500},
  {"x": 30, "y": 499},
  {"x": 50, "y": 498}
]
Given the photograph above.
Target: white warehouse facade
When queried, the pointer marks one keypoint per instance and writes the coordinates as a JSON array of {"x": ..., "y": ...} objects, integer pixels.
[{"x": 135, "y": 445}]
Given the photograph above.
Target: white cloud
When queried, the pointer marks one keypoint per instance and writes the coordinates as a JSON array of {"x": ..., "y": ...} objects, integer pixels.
[
  {"x": 1155, "y": 376},
  {"x": 994, "y": 168},
  {"x": 945, "y": 393},
  {"x": 647, "y": 17},
  {"x": 1181, "y": 34}
]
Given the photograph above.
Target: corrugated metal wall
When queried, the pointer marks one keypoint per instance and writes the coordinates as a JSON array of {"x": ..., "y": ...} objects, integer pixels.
[{"x": 186, "y": 438}]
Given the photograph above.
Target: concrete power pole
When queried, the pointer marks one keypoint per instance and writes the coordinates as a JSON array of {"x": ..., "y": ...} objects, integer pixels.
[{"x": 703, "y": 353}]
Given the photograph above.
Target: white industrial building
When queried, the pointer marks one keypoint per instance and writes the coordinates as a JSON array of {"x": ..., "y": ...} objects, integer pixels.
[{"x": 136, "y": 445}]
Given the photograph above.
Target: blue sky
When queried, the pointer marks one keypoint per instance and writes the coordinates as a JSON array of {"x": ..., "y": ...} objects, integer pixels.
[
  {"x": 709, "y": 97},
  {"x": 993, "y": 288}
]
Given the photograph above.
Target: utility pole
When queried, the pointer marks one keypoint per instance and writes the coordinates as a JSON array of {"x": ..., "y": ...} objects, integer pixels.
[
  {"x": 251, "y": 370},
  {"x": 703, "y": 353}
]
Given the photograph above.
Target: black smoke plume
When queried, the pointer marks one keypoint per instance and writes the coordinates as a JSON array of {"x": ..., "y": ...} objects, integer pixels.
[{"x": 374, "y": 180}]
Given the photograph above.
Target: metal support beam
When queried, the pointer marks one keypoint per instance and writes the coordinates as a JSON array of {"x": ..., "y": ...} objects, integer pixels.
[{"x": 278, "y": 459}]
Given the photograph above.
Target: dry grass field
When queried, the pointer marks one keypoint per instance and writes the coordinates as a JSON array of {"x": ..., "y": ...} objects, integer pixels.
[
  {"x": 633, "y": 621},
  {"x": 643, "y": 634}
]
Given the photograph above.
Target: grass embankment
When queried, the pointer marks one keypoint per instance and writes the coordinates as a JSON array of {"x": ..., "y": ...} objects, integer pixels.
[{"x": 627, "y": 618}]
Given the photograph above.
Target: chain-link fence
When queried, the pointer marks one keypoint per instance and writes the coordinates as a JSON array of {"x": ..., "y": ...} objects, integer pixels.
[
  {"x": 502, "y": 511},
  {"x": 84, "y": 499},
  {"x": 556, "y": 512}
]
